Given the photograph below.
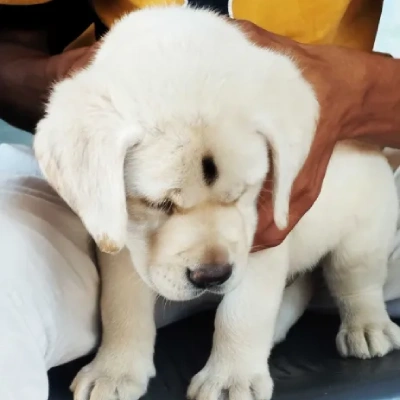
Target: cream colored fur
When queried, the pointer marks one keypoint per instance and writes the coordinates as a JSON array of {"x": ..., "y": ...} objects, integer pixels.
[{"x": 168, "y": 87}]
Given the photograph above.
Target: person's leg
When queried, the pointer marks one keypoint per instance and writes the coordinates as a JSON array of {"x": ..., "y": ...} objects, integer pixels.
[
  {"x": 49, "y": 288},
  {"x": 22, "y": 365},
  {"x": 49, "y": 284},
  {"x": 48, "y": 293}
]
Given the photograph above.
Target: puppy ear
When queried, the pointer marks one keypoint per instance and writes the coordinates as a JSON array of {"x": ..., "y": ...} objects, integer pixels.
[
  {"x": 289, "y": 134},
  {"x": 81, "y": 145},
  {"x": 287, "y": 161}
]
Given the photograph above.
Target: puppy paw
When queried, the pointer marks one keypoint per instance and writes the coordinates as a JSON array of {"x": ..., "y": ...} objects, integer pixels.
[
  {"x": 100, "y": 381},
  {"x": 368, "y": 340},
  {"x": 244, "y": 384}
]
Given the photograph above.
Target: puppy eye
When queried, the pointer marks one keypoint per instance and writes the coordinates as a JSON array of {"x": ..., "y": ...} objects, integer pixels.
[{"x": 166, "y": 206}]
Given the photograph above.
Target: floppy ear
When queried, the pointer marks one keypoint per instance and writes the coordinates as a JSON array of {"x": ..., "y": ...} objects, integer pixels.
[
  {"x": 289, "y": 133},
  {"x": 81, "y": 145},
  {"x": 287, "y": 161}
]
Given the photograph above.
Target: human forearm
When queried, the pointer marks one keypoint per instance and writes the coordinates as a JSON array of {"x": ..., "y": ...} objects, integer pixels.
[
  {"x": 376, "y": 117},
  {"x": 359, "y": 93},
  {"x": 23, "y": 84},
  {"x": 26, "y": 74},
  {"x": 359, "y": 97}
]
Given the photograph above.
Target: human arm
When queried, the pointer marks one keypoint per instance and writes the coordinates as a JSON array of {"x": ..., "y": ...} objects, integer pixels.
[
  {"x": 359, "y": 96},
  {"x": 26, "y": 74},
  {"x": 376, "y": 115},
  {"x": 27, "y": 64}
]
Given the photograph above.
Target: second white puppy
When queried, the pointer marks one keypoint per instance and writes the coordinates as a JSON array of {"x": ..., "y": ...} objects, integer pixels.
[{"x": 160, "y": 146}]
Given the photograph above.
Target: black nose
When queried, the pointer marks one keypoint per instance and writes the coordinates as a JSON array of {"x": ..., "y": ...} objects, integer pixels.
[{"x": 209, "y": 275}]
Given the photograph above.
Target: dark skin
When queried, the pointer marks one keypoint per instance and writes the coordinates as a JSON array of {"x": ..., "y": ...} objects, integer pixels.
[
  {"x": 26, "y": 73},
  {"x": 359, "y": 97},
  {"x": 358, "y": 92}
]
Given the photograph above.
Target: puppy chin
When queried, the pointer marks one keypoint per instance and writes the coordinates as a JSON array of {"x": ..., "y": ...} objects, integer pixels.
[
  {"x": 189, "y": 292},
  {"x": 180, "y": 295},
  {"x": 174, "y": 290}
]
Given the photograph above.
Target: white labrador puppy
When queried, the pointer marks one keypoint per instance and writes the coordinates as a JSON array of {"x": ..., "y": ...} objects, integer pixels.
[{"x": 160, "y": 146}]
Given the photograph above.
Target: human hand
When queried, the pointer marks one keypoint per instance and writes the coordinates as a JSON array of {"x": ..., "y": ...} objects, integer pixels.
[
  {"x": 65, "y": 64},
  {"x": 328, "y": 69},
  {"x": 27, "y": 72}
]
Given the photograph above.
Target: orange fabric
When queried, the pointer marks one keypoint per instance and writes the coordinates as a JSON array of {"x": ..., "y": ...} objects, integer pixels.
[
  {"x": 87, "y": 38},
  {"x": 351, "y": 23}
]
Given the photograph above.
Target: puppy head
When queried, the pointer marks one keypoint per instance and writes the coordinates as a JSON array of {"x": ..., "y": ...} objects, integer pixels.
[
  {"x": 194, "y": 187},
  {"x": 170, "y": 132}
]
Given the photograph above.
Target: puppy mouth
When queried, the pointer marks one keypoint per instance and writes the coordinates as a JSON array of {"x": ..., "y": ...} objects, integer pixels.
[
  {"x": 183, "y": 291},
  {"x": 220, "y": 291},
  {"x": 196, "y": 293}
]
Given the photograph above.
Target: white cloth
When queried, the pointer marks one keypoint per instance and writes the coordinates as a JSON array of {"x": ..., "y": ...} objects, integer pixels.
[{"x": 49, "y": 282}]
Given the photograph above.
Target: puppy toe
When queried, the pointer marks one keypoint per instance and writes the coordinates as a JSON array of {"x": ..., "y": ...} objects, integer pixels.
[
  {"x": 392, "y": 331},
  {"x": 262, "y": 387},
  {"x": 240, "y": 392},
  {"x": 94, "y": 382},
  {"x": 352, "y": 343},
  {"x": 368, "y": 340},
  {"x": 200, "y": 389}
]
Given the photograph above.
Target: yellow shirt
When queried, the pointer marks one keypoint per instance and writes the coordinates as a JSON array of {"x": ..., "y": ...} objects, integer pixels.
[{"x": 351, "y": 23}]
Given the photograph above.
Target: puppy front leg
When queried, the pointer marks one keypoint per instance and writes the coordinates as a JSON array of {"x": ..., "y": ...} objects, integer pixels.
[
  {"x": 355, "y": 279},
  {"x": 244, "y": 331},
  {"x": 123, "y": 365}
]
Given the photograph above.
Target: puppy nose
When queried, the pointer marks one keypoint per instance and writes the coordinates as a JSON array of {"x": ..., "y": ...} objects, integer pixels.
[{"x": 210, "y": 275}]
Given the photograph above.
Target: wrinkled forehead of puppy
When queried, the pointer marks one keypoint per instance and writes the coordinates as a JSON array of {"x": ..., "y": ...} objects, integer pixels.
[
  {"x": 193, "y": 163},
  {"x": 193, "y": 99}
]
